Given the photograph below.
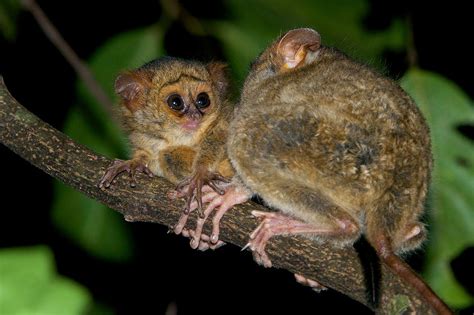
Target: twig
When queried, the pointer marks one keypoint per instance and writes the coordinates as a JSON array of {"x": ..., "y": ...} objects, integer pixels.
[
  {"x": 79, "y": 66},
  {"x": 412, "y": 54},
  {"x": 77, "y": 166},
  {"x": 176, "y": 11}
]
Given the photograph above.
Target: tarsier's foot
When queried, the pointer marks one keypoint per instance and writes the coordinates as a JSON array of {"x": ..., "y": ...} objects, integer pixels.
[
  {"x": 191, "y": 188},
  {"x": 272, "y": 224},
  {"x": 119, "y": 166},
  {"x": 209, "y": 195},
  {"x": 204, "y": 241},
  {"x": 221, "y": 203},
  {"x": 316, "y": 286}
]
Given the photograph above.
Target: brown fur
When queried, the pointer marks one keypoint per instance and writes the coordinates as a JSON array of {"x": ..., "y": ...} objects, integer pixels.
[
  {"x": 157, "y": 136},
  {"x": 337, "y": 129},
  {"x": 331, "y": 142}
]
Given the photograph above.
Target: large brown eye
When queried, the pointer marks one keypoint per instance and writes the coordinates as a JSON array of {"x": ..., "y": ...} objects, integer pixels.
[
  {"x": 175, "y": 102},
  {"x": 203, "y": 100}
]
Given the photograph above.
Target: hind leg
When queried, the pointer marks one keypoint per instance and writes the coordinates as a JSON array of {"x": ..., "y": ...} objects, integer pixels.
[
  {"x": 274, "y": 224},
  {"x": 304, "y": 211}
]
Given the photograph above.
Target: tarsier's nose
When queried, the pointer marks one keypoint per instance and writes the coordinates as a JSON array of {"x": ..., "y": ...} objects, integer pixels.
[{"x": 195, "y": 114}]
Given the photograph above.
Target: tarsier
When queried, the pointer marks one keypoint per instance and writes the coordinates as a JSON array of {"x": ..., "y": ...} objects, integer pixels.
[
  {"x": 337, "y": 148},
  {"x": 176, "y": 114}
]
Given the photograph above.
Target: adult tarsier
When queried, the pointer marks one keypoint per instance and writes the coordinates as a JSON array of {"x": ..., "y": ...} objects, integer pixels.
[
  {"x": 176, "y": 113},
  {"x": 337, "y": 148}
]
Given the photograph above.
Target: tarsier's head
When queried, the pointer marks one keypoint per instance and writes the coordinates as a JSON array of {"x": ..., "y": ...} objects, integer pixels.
[
  {"x": 293, "y": 50},
  {"x": 173, "y": 95}
]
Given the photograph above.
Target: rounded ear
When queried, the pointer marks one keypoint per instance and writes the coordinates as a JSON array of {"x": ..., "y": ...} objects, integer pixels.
[
  {"x": 128, "y": 87},
  {"x": 297, "y": 45},
  {"x": 219, "y": 72}
]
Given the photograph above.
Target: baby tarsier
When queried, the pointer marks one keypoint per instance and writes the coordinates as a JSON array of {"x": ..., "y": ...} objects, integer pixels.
[
  {"x": 176, "y": 114},
  {"x": 337, "y": 148}
]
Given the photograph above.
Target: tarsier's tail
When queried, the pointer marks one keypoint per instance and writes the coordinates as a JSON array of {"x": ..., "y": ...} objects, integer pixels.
[{"x": 389, "y": 258}]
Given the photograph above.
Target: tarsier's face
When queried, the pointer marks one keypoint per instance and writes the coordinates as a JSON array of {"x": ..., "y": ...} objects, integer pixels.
[
  {"x": 187, "y": 101},
  {"x": 173, "y": 96}
]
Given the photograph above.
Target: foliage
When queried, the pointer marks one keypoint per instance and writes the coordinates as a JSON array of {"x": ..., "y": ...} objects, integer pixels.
[
  {"x": 89, "y": 223},
  {"x": 30, "y": 285},
  {"x": 9, "y": 10},
  {"x": 446, "y": 107}
]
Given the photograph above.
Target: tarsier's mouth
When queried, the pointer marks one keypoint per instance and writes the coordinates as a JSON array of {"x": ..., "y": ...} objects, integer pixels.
[{"x": 191, "y": 124}]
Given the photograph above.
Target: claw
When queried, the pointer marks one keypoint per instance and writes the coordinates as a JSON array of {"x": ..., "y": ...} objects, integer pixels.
[
  {"x": 218, "y": 203},
  {"x": 209, "y": 196},
  {"x": 245, "y": 247},
  {"x": 186, "y": 211},
  {"x": 193, "y": 243},
  {"x": 191, "y": 187},
  {"x": 133, "y": 181},
  {"x": 219, "y": 177},
  {"x": 203, "y": 243},
  {"x": 147, "y": 171},
  {"x": 185, "y": 233},
  {"x": 217, "y": 189},
  {"x": 119, "y": 166},
  {"x": 214, "y": 238},
  {"x": 218, "y": 245},
  {"x": 180, "y": 187},
  {"x": 259, "y": 214},
  {"x": 273, "y": 224}
]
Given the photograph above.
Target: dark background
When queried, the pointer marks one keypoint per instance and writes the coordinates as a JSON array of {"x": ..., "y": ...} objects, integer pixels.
[{"x": 165, "y": 269}]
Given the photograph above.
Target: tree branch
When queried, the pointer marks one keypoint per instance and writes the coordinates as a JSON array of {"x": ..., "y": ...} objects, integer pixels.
[{"x": 77, "y": 166}]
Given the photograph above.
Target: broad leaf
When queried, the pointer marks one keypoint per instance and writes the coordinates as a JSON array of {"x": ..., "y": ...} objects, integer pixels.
[
  {"x": 90, "y": 224},
  {"x": 9, "y": 10},
  {"x": 254, "y": 24},
  {"x": 29, "y": 285},
  {"x": 445, "y": 106}
]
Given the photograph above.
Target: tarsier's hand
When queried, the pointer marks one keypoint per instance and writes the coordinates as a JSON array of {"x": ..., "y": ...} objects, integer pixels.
[
  {"x": 119, "y": 166},
  {"x": 191, "y": 188}
]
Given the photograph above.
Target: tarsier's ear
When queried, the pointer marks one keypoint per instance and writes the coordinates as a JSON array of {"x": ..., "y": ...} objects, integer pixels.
[
  {"x": 220, "y": 76},
  {"x": 130, "y": 87},
  {"x": 296, "y": 46}
]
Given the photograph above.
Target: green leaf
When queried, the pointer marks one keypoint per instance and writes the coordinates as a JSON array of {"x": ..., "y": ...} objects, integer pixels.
[
  {"x": 339, "y": 23},
  {"x": 446, "y": 106},
  {"x": 90, "y": 224},
  {"x": 29, "y": 285},
  {"x": 9, "y": 10}
]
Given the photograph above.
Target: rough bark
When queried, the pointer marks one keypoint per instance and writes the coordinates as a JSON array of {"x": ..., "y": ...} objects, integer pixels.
[{"x": 77, "y": 166}]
